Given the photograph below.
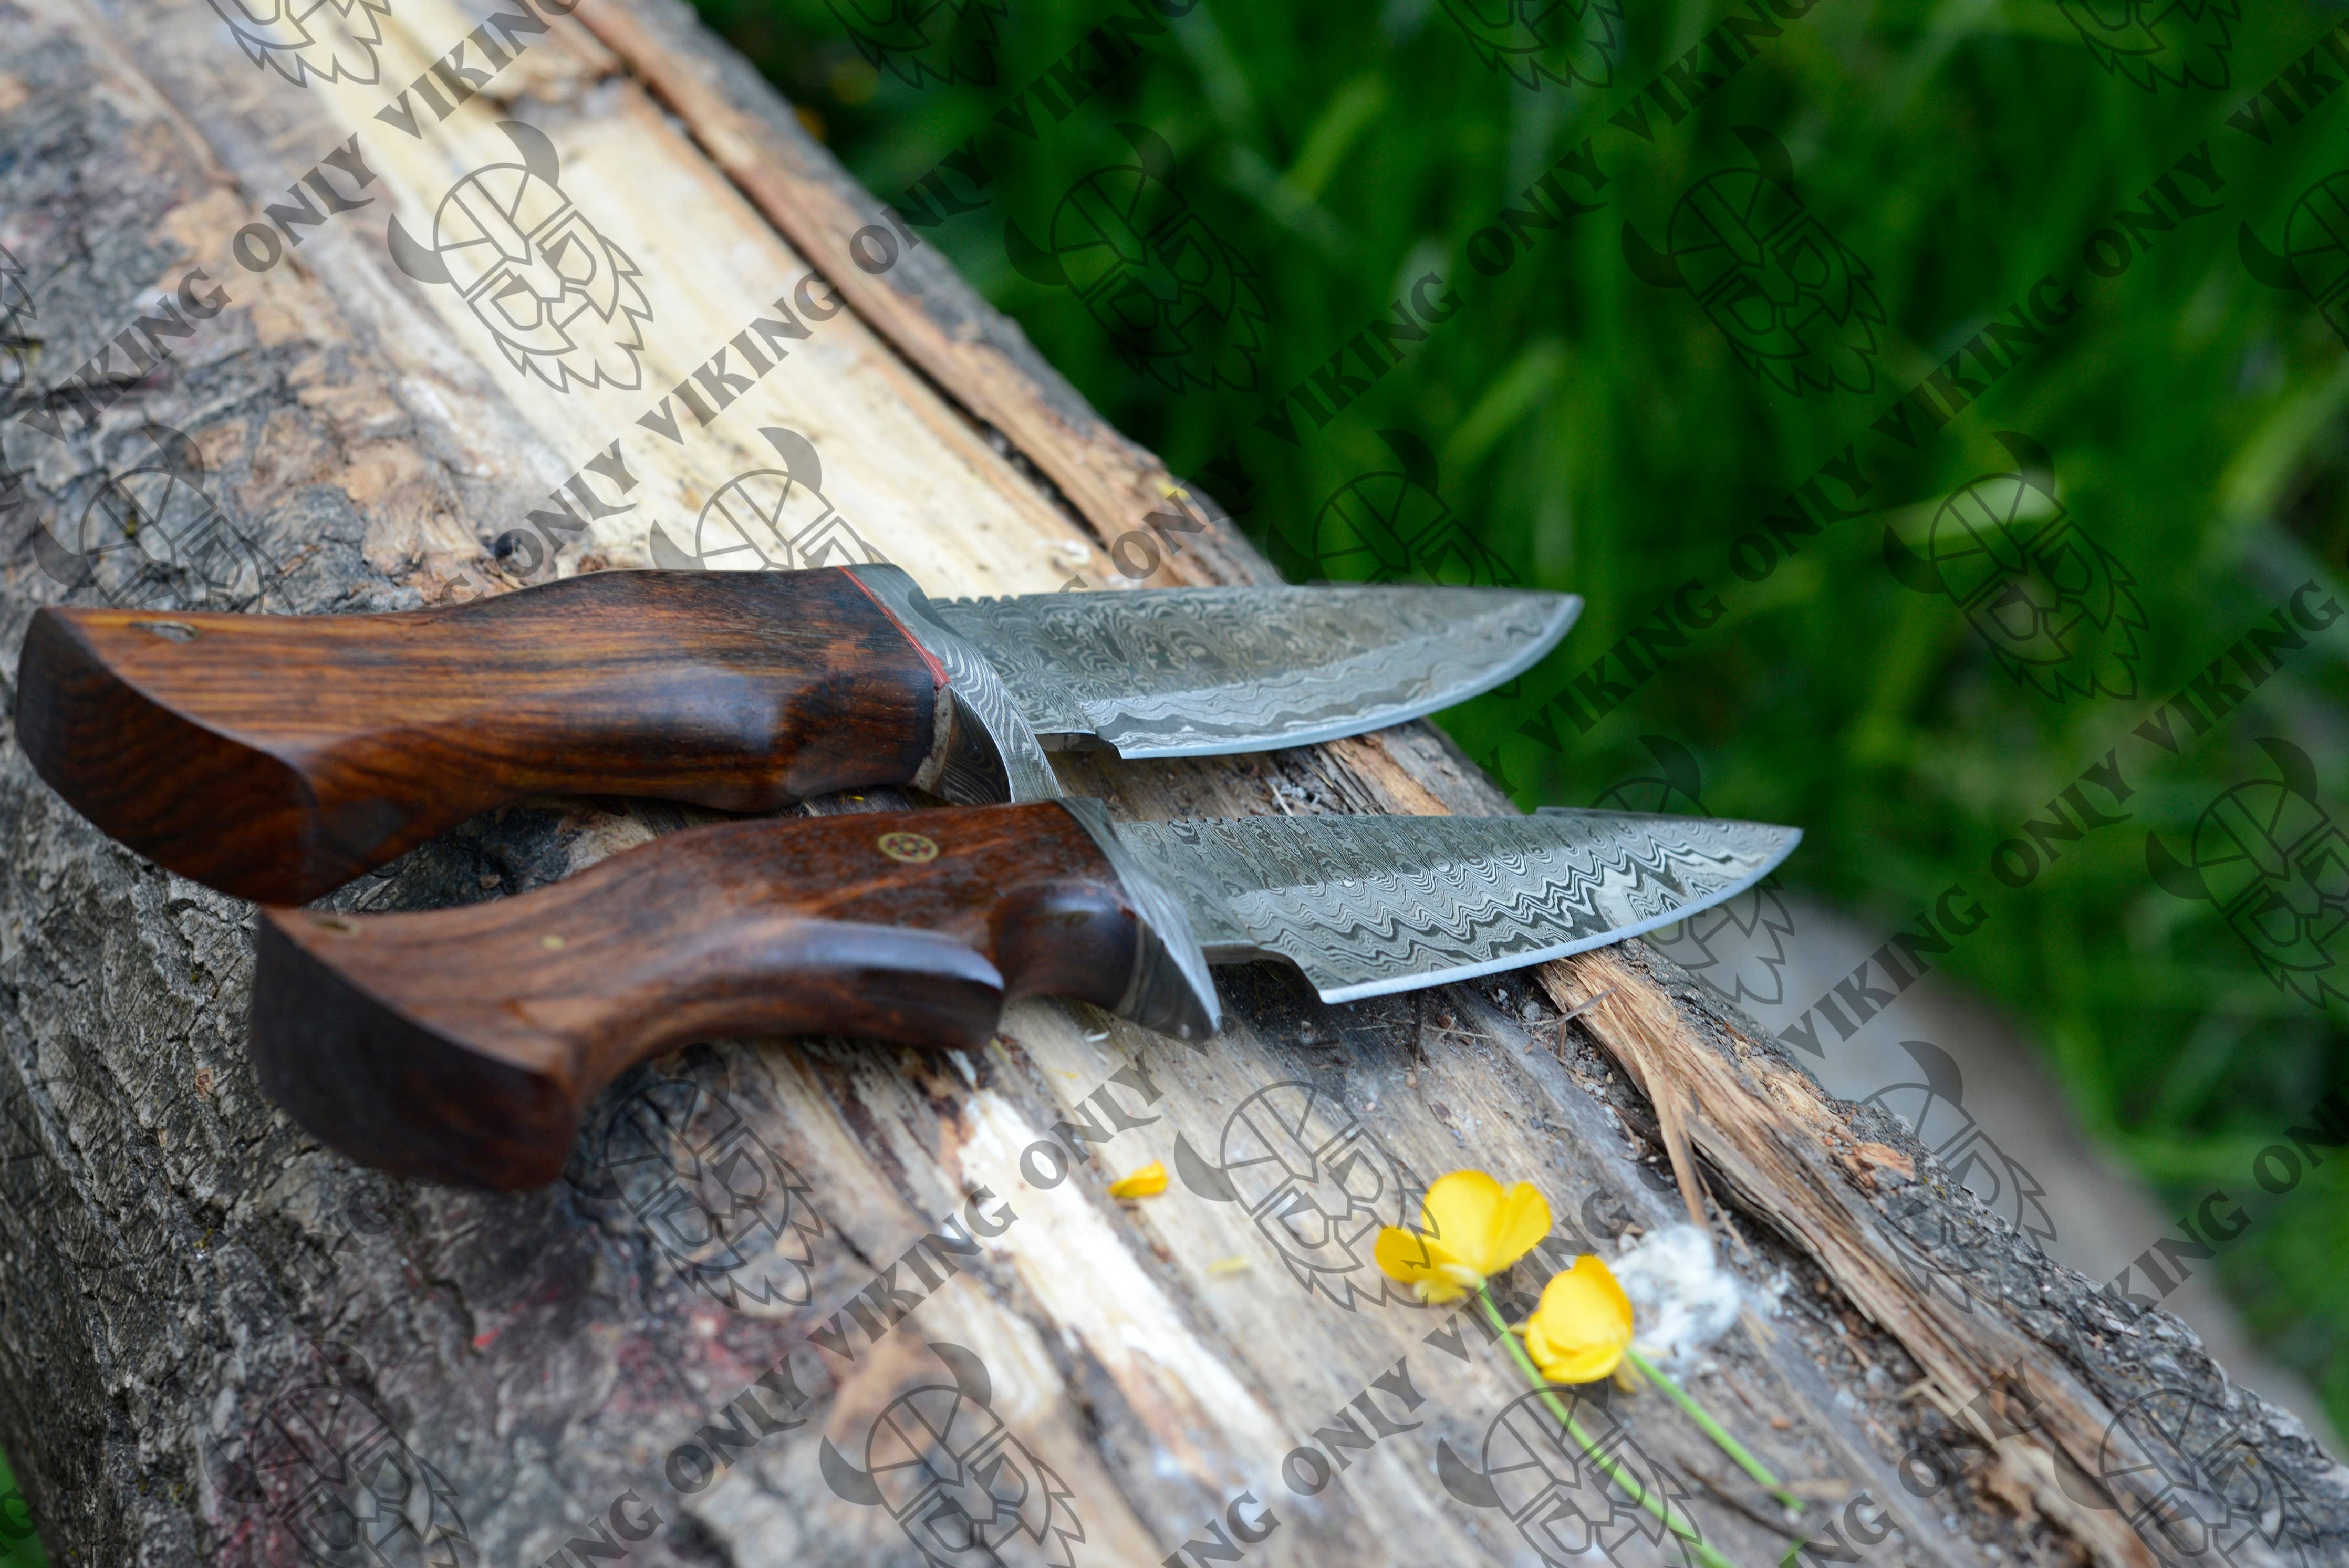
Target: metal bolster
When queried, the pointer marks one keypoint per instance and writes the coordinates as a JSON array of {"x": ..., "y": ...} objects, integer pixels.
[
  {"x": 990, "y": 754},
  {"x": 1171, "y": 991}
]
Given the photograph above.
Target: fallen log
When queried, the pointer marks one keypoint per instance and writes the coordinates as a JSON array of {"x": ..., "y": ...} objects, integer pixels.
[{"x": 254, "y": 364}]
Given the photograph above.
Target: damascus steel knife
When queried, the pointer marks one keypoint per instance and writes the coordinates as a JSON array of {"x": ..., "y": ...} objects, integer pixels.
[
  {"x": 464, "y": 1045},
  {"x": 277, "y": 757}
]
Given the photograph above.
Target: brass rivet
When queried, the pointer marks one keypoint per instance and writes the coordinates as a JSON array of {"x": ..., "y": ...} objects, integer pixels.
[
  {"x": 550, "y": 941},
  {"x": 907, "y": 848}
]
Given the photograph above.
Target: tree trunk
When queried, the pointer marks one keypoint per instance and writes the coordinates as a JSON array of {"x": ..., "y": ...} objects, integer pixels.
[{"x": 717, "y": 1338}]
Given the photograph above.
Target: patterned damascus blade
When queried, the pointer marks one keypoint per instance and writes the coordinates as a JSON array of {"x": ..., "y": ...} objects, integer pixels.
[
  {"x": 1199, "y": 672},
  {"x": 1369, "y": 905}
]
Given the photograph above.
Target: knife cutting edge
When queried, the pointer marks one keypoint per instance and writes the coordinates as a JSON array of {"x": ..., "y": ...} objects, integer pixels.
[
  {"x": 277, "y": 757},
  {"x": 464, "y": 1046}
]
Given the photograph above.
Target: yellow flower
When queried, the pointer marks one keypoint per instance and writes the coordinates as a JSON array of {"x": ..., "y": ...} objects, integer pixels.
[
  {"x": 1147, "y": 1182},
  {"x": 1470, "y": 1230},
  {"x": 1583, "y": 1325}
]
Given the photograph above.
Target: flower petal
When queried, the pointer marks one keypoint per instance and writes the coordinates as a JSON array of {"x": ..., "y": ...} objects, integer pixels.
[
  {"x": 1459, "y": 1212},
  {"x": 1147, "y": 1182},
  {"x": 1583, "y": 1324},
  {"x": 1523, "y": 1220}
]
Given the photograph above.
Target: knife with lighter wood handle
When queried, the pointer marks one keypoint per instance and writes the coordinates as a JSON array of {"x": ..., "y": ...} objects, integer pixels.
[{"x": 277, "y": 757}]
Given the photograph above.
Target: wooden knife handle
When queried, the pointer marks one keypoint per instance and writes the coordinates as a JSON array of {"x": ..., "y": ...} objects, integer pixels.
[
  {"x": 464, "y": 1046},
  {"x": 277, "y": 757}
]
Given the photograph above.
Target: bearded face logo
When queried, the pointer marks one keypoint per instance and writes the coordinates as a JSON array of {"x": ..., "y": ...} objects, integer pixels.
[
  {"x": 17, "y": 343},
  {"x": 1935, "y": 1111},
  {"x": 2315, "y": 257},
  {"x": 925, "y": 43},
  {"x": 965, "y": 1492},
  {"x": 2058, "y": 610},
  {"x": 1392, "y": 525},
  {"x": 150, "y": 538},
  {"x": 1738, "y": 947},
  {"x": 1797, "y": 306},
  {"x": 1564, "y": 1505},
  {"x": 1179, "y": 304},
  {"x": 2193, "y": 1487},
  {"x": 2158, "y": 43},
  {"x": 770, "y": 520},
  {"x": 2267, "y": 855},
  {"x": 563, "y": 303},
  {"x": 732, "y": 1216},
  {"x": 1534, "y": 41},
  {"x": 333, "y": 40},
  {"x": 1317, "y": 1184},
  {"x": 335, "y": 1476}
]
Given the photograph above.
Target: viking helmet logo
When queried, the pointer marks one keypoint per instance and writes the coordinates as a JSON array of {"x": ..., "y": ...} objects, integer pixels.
[
  {"x": 1738, "y": 947},
  {"x": 1935, "y": 1111},
  {"x": 1533, "y": 41},
  {"x": 1179, "y": 304},
  {"x": 1317, "y": 1185},
  {"x": 2315, "y": 259},
  {"x": 16, "y": 340},
  {"x": 925, "y": 43},
  {"x": 1393, "y": 525},
  {"x": 333, "y": 40},
  {"x": 2193, "y": 1487},
  {"x": 2059, "y": 611},
  {"x": 770, "y": 520},
  {"x": 2158, "y": 43},
  {"x": 152, "y": 538},
  {"x": 732, "y": 1216},
  {"x": 564, "y": 304},
  {"x": 1565, "y": 1505},
  {"x": 337, "y": 1476},
  {"x": 966, "y": 1493},
  {"x": 1798, "y": 306},
  {"x": 2276, "y": 867}
]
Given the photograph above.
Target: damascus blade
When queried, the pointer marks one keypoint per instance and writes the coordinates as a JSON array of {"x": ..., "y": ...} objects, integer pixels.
[
  {"x": 1369, "y": 905},
  {"x": 1201, "y": 673}
]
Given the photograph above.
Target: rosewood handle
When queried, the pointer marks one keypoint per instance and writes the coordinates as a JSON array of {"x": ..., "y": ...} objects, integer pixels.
[
  {"x": 464, "y": 1046},
  {"x": 277, "y": 757}
]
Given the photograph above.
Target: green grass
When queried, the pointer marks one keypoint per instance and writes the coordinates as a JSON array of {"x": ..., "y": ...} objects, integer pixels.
[{"x": 1595, "y": 432}]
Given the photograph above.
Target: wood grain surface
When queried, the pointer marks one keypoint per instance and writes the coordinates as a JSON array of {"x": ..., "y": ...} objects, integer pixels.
[
  {"x": 277, "y": 757},
  {"x": 766, "y": 1256}
]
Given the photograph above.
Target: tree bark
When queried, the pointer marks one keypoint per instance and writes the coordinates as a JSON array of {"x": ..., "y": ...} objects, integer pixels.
[{"x": 220, "y": 1343}]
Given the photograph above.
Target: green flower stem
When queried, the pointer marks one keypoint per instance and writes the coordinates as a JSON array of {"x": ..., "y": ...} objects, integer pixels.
[
  {"x": 1713, "y": 1429},
  {"x": 1614, "y": 1469}
]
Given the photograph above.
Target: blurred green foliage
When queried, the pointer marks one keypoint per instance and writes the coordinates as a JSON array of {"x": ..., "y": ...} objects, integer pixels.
[
  {"x": 1597, "y": 433},
  {"x": 20, "y": 1544}
]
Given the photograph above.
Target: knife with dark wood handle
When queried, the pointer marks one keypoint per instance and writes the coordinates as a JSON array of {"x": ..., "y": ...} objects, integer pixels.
[
  {"x": 277, "y": 757},
  {"x": 463, "y": 1046}
]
